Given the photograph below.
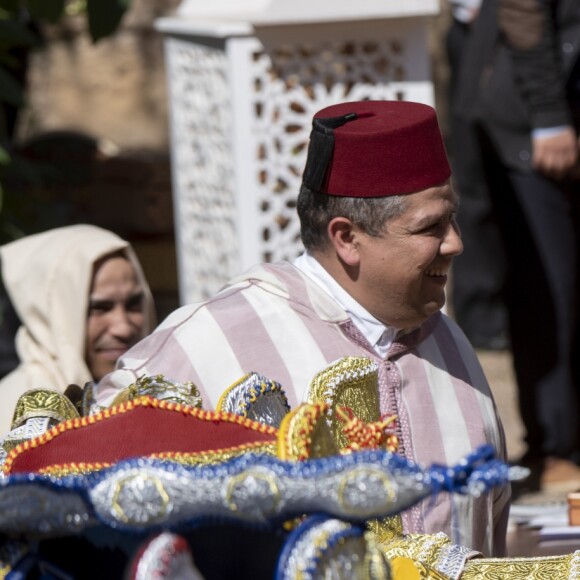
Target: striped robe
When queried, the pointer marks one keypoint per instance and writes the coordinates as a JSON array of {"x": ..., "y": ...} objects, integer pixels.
[{"x": 275, "y": 321}]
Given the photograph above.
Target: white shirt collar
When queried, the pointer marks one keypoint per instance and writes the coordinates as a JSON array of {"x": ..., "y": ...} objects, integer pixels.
[{"x": 378, "y": 334}]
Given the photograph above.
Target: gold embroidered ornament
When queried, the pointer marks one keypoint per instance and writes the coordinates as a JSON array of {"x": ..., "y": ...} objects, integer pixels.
[
  {"x": 36, "y": 412},
  {"x": 43, "y": 403},
  {"x": 350, "y": 382},
  {"x": 159, "y": 387},
  {"x": 304, "y": 434},
  {"x": 350, "y": 389}
]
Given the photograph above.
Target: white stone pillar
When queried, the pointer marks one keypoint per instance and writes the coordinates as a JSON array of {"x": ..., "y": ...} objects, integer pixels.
[{"x": 244, "y": 86}]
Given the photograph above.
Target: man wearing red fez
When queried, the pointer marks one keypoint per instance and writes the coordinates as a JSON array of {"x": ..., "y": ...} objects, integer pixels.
[{"x": 377, "y": 217}]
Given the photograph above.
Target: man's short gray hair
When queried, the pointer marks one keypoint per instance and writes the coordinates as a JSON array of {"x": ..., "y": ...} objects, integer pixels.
[{"x": 316, "y": 210}]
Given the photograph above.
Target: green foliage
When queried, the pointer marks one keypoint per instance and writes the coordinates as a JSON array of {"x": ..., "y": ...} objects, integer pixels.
[
  {"x": 9, "y": 6},
  {"x": 19, "y": 22},
  {"x": 104, "y": 16},
  {"x": 4, "y": 157},
  {"x": 13, "y": 33},
  {"x": 17, "y": 36},
  {"x": 46, "y": 10},
  {"x": 10, "y": 89},
  {"x": 8, "y": 228}
]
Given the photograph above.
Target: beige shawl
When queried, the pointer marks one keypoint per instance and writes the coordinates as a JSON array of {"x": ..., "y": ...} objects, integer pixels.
[{"x": 48, "y": 278}]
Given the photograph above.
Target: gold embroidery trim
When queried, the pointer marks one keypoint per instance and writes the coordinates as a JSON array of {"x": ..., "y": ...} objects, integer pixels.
[
  {"x": 159, "y": 387},
  {"x": 303, "y": 434},
  {"x": 350, "y": 382},
  {"x": 218, "y": 456},
  {"x": 64, "y": 469},
  {"x": 386, "y": 530},
  {"x": 181, "y": 457},
  {"x": 253, "y": 392},
  {"x": 544, "y": 568},
  {"x": 422, "y": 549},
  {"x": 43, "y": 403}
]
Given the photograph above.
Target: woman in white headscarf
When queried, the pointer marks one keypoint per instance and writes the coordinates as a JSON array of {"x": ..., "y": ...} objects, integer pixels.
[{"x": 82, "y": 300}]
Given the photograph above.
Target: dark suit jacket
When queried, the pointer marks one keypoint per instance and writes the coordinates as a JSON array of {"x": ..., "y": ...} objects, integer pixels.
[{"x": 521, "y": 71}]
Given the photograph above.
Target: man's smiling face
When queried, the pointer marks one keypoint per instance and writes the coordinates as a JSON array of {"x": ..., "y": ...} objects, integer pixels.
[{"x": 402, "y": 274}]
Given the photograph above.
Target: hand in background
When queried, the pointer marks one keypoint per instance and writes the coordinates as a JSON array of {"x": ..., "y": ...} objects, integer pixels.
[{"x": 557, "y": 154}]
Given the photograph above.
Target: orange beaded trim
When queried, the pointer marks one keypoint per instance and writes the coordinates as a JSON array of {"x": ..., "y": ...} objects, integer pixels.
[
  {"x": 363, "y": 435},
  {"x": 216, "y": 416}
]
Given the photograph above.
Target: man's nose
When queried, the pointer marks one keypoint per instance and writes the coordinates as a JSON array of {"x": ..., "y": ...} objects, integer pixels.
[{"x": 452, "y": 244}]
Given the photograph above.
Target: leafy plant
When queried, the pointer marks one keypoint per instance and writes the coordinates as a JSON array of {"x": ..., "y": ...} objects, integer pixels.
[{"x": 20, "y": 22}]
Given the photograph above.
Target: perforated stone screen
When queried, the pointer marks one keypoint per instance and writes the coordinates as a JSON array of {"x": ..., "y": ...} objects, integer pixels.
[
  {"x": 290, "y": 85},
  {"x": 241, "y": 113}
]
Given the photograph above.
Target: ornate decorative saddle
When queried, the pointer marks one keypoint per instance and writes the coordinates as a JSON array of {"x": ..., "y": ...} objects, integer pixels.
[{"x": 169, "y": 486}]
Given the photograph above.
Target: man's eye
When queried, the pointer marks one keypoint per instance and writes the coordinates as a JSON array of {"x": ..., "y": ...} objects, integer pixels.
[{"x": 433, "y": 228}]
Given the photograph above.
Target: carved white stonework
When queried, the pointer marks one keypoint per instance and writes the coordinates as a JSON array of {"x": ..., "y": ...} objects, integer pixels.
[
  {"x": 290, "y": 85},
  {"x": 202, "y": 159},
  {"x": 242, "y": 107},
  {"x": 302, "y": 11}
]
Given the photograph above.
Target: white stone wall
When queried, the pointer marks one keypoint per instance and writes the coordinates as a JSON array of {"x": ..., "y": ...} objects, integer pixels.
[{"x": 241, "y": 112}]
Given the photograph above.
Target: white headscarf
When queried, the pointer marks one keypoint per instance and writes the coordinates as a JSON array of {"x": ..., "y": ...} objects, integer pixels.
[{"x": 48, "y": 278}]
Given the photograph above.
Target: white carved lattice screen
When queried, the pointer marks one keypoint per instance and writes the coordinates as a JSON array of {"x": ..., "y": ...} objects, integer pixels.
[{"x": 241, "y": 118}]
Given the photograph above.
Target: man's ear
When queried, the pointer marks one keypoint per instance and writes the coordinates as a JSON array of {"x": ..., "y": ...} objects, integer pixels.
[{"x": 343, "y": 235}]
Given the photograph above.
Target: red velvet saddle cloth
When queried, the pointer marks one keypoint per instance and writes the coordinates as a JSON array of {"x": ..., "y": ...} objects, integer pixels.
[{"x": 142, "y": 427}]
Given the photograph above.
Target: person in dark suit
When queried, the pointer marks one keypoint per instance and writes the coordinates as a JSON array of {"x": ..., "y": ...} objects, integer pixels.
[
  {"x": 520, "y": 84},
  {"x": 479, "y": 273}
]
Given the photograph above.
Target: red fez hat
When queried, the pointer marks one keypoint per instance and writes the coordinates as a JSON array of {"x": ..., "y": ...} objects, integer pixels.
[{"x": 375, "y": 149}]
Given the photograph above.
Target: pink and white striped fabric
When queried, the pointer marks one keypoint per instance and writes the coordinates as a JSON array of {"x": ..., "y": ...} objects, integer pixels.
[{"x": 275, "y": 321}]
